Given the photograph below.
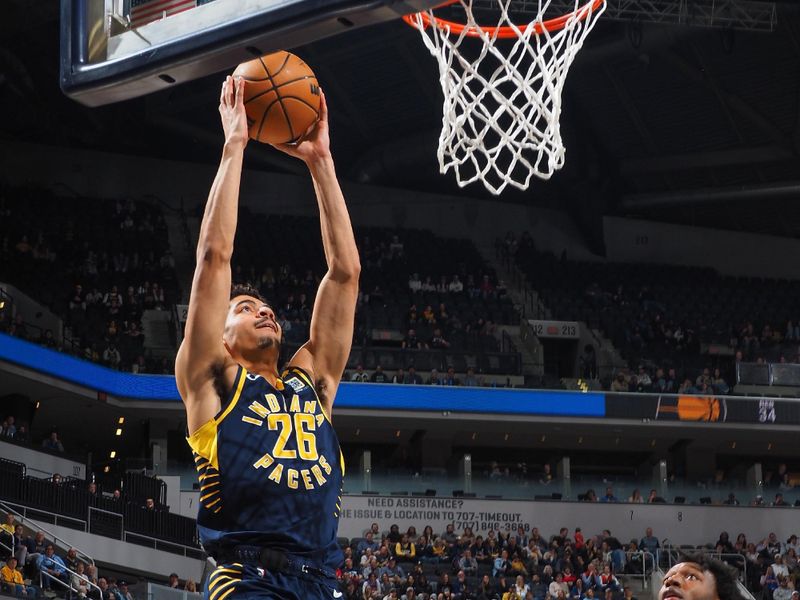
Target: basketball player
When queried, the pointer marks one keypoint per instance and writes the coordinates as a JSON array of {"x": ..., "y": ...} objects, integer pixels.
[
  {"x": 700, "y": 578},
  {"x": 269, "y": 463}
]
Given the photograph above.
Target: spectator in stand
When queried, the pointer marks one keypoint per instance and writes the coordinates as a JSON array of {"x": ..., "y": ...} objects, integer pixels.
[
  {"x": 111, "y": 356},
  {"x": 783, "y": 591},
  {"x": 643, "y": 381},
  {"x": 450, "y": 378},
  {"x": 588, "y": 362},
  {"x": 22, "y": 434},
  {"x": 371, "y": 587},
  {"x": 79, "y": 581},
  {"x": 486, "y": 287},
  {"x": 174, "y": 581},
  {"x": 405, "y": 550},
  {"x": 779, "y": 501},
  {"x": 411, "y": 342},
  {"x": 437, "y": 340},
  {"x": 636, "y": 497},
  {"x": 719, "y": 384},
  {"x": 608, "y": 580},
  {"x": 434, "y": 379},
  {"x": 455, "y": 286},
  {"x": 71, "y": 560},
  {"x": 619, "y": 384},
  {"x": 467, "y": 563},
  {"x": 113, "y": 589},
  {"x": 394, "y": 536},
  {"x": 393, "y": 570},
  {"x": 20, "y": 546},
  {"x": 731, "y": 500},
  {"x": 414, "y": 283},
  {"x": 591, "y": 579},
  {"x": 609, "y": 497},
  {"x": 36, "y": 546},
  {"x": 124, "y": 594},
  {"x": 360, "y": 375},
  {"x": 558, "y": 585},
  {"x": 769, "y": 582},
  {"x": 649, "y": 542},
  {"x": 379, "y": 376},
  {"x": 52, "y": 443},
  {"x": 13, "y": 582},
  {"x": 51, "y": 566},
  {"x": 191, "y": 587},
  {"x": 413, "y": 377},
  {"x": 9, "y": 428},
  {"x": 780, "y": 569},
  {"x": 771, "y": 545},
  {"x": 367, "y": 543},
  {"x": 7, "y": 531},
  {"x": 502, "y": 565},
  {"x": 469, "y": 379}
]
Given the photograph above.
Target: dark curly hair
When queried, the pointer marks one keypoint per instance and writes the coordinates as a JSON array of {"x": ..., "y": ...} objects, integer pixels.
[
  {"x": 247, "y": 289},
  {"x": 726, "y": 577}
]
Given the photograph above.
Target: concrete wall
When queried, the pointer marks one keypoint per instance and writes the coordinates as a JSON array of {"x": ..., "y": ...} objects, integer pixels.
[
  {"x": 680, "y": 524},
  {"x": 42, "y": 464},
  {"x": 730, "y": 252},
  {"x": 34, "y": 313},
  {"x": 133, "y": 556}
]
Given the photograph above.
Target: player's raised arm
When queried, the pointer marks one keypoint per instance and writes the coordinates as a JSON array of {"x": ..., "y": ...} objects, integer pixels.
[
  {"x": 202, "y": 356},
  {"x": 331, "y": 336}
]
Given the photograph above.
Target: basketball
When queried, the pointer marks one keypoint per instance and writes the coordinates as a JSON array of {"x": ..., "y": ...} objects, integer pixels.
[{"x": 281, "y": 97}]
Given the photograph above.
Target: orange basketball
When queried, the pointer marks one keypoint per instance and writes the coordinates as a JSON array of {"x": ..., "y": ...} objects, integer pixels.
[{"x": 281, "y": 97}]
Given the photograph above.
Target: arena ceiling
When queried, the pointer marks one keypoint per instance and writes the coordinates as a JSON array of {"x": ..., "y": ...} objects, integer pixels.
[{"x": 688, "y": 125}]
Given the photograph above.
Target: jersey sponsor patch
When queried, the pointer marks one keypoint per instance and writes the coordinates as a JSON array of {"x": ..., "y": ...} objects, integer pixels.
[{"x": 295, "y": 383}]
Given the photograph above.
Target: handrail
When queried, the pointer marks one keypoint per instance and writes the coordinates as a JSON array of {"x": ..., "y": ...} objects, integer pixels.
[
  {"x": 121, "y": 517},
  {"x": 69, "y": 585},
  {"x": 644, "y": 574},
  {"x": 5, "y": 507},
  {"x": 162, "y": 541}
]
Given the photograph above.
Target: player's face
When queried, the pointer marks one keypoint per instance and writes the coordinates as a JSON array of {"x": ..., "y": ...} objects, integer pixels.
[
  {"x": 251, "y": 326},
  {"x": 688, "y": 581}
]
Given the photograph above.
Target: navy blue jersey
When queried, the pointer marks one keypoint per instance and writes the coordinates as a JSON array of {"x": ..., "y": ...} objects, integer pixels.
[{"x": 270, "y": 470}]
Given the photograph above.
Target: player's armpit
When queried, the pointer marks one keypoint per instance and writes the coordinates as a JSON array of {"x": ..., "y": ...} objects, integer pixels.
[
  {"x": 202, "y": 354},
  {"x": 331, "y": 336}
]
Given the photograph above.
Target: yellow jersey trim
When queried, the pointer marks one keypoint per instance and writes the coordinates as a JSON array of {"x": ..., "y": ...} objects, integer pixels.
[
  {"x": 204, "y": 440},
  {"x": 300, "y": 372}
]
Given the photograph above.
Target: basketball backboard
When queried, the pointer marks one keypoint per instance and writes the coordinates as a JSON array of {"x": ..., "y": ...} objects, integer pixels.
[{"x": 113, "y": 50}]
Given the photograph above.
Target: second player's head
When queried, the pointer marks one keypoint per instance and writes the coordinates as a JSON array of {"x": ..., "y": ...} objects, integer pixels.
[
  {"x": 251, "y": 327},
  {"x": 698, "y": 577}
]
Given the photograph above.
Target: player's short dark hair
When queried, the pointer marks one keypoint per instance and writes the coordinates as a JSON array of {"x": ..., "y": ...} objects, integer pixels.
[
  {"x": 247, "y": 289},
  {"x": 726, "y": 577}
]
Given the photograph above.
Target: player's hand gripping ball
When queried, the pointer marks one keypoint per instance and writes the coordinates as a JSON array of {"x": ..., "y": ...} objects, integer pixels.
[{"x": 281, "y": 97}]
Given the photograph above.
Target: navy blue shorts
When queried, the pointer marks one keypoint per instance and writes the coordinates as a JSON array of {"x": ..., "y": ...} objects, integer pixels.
[{"x": 237, "y": 581}]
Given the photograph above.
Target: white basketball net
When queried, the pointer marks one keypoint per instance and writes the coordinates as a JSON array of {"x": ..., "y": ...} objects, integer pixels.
[{"x": 501, "y": 126}]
